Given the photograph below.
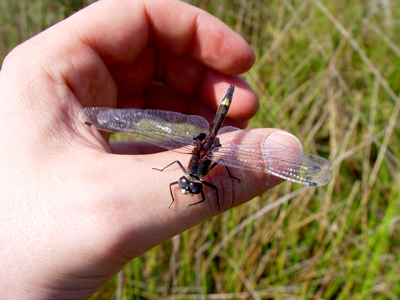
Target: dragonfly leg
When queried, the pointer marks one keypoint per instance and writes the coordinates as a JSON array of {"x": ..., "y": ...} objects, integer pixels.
[
  {"x": 177, "y": 162},
  {"x": 175, "y": 182},
  {"x": 211, "y": 186},
  {"x": 202, "y": 200},
  {"x": 172, "y": 195},
  {"x": 226, "y": 167}
]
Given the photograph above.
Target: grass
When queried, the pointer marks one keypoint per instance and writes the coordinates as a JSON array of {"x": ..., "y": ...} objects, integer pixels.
[{"x": 326, "y": 71}]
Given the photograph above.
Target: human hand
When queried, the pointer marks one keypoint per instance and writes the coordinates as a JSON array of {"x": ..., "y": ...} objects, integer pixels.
[{"x": 72, "y": 214}]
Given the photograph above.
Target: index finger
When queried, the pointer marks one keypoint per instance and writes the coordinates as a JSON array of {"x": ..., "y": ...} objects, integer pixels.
[{"x": 123, "y": 28}]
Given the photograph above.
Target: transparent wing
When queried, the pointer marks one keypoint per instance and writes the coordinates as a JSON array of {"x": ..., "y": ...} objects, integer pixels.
[
  {"x": 167, "y": 129},
  {"x": 246, "y": 150},
  {"x": 239, "y": 148}
]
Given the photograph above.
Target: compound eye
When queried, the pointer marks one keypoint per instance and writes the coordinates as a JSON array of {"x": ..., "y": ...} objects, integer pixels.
[
  {"x": 183, "y": 183},
  {"x": 196, "y": 187}
]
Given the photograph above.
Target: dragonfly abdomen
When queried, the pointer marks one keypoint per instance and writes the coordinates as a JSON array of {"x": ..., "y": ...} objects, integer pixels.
[{"x": 222, "y": 110}]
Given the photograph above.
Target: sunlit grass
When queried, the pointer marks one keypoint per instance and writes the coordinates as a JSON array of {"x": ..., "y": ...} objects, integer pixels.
[{"x": 326, "y": 71}]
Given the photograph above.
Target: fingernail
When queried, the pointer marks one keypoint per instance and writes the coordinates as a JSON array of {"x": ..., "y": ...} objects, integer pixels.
[
  {"x": 282, "y": 161},
  {"x": 286, "y": 138}
]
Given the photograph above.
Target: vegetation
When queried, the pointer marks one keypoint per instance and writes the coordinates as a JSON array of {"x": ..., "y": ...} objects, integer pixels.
[{"x": 327, "y": 71}]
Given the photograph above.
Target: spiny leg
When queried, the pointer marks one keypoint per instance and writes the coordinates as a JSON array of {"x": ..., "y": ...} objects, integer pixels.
[
  {"x": 202, "y": 200},
  {"x": 226, "y": 167},
  {"x": 170, "y": 189},
  {"x": 177, "y": 162},
  {"x": 216, "y": 191},
  {"x": 175, "y": 182}
]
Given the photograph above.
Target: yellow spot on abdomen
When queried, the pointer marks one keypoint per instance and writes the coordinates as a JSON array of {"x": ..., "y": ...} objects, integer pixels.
[{"x": 225, "y": 102}]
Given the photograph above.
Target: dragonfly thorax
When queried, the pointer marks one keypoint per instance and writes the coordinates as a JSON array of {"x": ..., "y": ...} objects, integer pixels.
[
  {"x": 190, "y": 186},
  {"x": 199, "y": 138}
]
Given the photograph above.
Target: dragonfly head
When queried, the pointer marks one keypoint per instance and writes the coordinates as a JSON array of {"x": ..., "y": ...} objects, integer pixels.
[{"x": 190, "y": 186}]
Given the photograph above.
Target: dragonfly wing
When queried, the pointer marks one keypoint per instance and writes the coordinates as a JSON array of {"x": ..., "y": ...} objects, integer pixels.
[
  {"x": 170, "y": 130},
  {"x": 89, "y": 115},
  {"x": 246, "y": 150},
  {"x": 228, "y": 129}
]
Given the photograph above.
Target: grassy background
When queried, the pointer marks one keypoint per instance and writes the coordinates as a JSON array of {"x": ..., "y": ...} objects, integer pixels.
[{"x": 327, "y": 71}]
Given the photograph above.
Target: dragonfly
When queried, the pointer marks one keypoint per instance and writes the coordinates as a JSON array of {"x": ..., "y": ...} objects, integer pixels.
[{"x": 210, "y": 146}]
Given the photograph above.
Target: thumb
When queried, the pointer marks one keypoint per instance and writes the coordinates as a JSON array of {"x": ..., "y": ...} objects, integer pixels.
[{"x": 141, "y": 197}]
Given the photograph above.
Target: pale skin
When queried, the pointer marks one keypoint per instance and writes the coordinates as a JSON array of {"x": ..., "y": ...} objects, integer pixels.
[{"x": 73, "y": 214}]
